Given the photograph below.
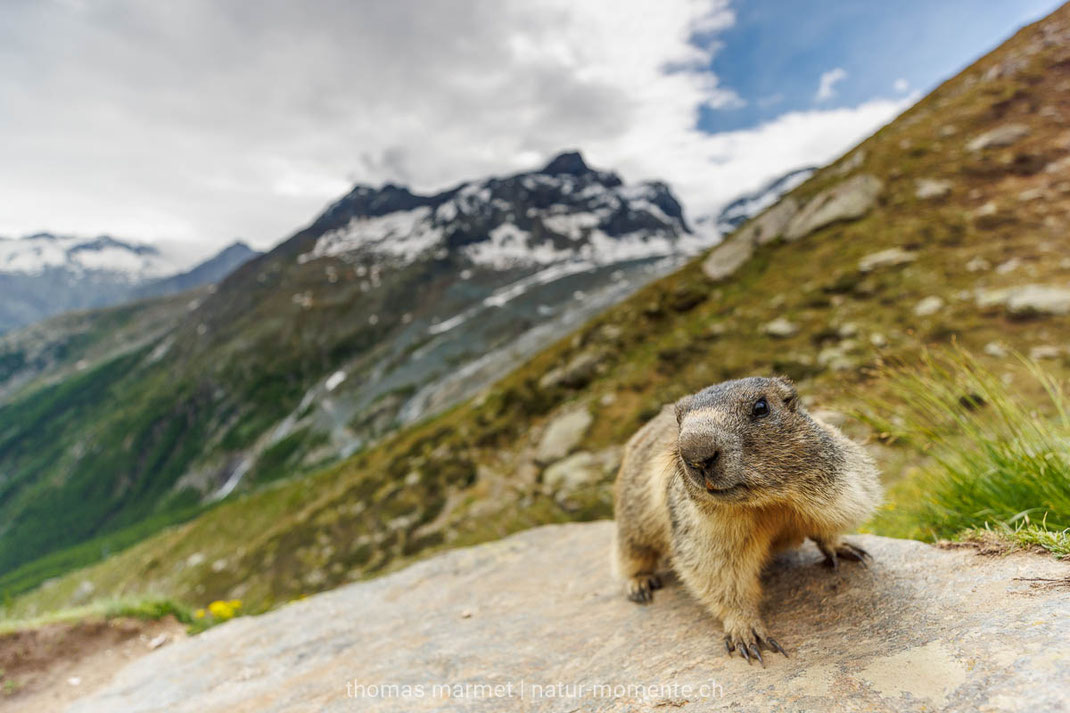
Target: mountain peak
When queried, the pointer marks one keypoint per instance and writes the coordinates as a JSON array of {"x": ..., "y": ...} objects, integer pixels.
[
  {"x": 238, "y": 245},
  {"x": 570, "y": 162},
  {"x": 371, "y": 201}
]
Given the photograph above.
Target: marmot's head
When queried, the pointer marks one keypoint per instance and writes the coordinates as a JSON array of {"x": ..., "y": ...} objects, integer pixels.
[{"x": 750, "y": 442}]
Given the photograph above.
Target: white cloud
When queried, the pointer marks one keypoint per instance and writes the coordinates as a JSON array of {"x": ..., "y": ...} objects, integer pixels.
[
  {"x": 826, "y": 87},
  {"x": 901, "y": 85},
  {"x": 195, "y": 122}
]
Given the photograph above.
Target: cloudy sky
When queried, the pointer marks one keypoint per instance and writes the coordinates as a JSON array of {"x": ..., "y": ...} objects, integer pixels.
[{"x": 195, "y": 122}]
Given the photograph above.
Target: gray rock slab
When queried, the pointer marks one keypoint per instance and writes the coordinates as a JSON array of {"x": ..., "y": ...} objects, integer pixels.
[
  {"x": 725, "y": 259},
  {"x": 922, "y": 628},
  {"x": 848, "y": 200}
]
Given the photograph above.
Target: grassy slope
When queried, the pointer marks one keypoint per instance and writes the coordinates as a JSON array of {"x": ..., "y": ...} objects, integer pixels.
[
  {"x": 999, "y": 464},
  {"x": 466, "y": 475},
  {"x": 48, "y": 352},
  {"x": 91, "y": 454}
]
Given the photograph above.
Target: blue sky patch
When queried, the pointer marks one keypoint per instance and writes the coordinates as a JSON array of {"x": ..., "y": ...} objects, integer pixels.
[{"x": 775, "y": 54}]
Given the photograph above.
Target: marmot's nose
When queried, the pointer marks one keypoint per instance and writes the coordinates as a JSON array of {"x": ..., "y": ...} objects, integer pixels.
[{"x": 707, "y": 464}]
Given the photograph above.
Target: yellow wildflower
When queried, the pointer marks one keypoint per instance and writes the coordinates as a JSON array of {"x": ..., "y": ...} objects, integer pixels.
[{"x": 221, "y": 610}]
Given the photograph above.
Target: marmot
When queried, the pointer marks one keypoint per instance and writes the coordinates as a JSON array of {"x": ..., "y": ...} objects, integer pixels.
[{"x": 723, "y": 478}]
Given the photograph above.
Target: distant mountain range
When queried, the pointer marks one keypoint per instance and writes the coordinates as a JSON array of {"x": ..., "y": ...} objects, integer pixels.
[
  {"x": 44, "y": 274},
  {"x": 389, "y": 307}
]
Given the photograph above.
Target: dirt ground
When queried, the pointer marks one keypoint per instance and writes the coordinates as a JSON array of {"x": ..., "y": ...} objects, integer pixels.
[{"x": 43, "y": 670}]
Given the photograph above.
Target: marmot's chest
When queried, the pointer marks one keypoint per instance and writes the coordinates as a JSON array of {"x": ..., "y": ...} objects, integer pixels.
[{"x": 740, "y": 534}]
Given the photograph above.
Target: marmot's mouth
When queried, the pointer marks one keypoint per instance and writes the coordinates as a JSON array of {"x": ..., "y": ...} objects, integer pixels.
[{"x": 713, "y": 489}]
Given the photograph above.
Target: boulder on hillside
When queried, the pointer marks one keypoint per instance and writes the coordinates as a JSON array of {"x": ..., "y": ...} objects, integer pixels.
[
  {"x": 780, "y": 328},
  {"x": 931, "y": 188},
  {"x": 998, "y": 137},
  {"x": 580, "y": 470},
  {"x": 891, "y": 257},
  {"x": 922, "y": 628},
  {"x": 929, "y": 306},
  {"x": 849, "y": 200},
  {"x": 726, "y": 258},
  {"x": 576, "y": 373},
  {"x": 563, "y": 435},
  {"x": 770, "y": 225},
  {"x": 1028, "y": 299}
]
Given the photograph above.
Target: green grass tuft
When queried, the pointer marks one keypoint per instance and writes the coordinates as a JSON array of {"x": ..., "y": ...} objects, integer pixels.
[
  {"x": 150, "y": 609},
  {"x": 998, "y": 457}
]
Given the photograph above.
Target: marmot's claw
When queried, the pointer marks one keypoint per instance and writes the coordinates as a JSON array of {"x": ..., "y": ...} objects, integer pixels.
[
  {"x": 641, "y": 588},
  {"x": 641, "y": 596},
  {"x": 777, "y": 647},
  {"x": 750, "y": 645},
  {"x": 845, "y": 550},
  {"x": 853, "y": 553}
]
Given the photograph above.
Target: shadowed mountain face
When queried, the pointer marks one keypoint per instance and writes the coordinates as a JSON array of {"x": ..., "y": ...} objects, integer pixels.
[
  {"x": 208, "y": 272},
  {"x": 43, "y": 275},
  {"x": 388, "y": 307}
]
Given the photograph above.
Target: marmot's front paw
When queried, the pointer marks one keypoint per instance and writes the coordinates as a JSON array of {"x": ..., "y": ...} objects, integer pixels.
[
  {"x": 749, "y": 640},
  {"x": 641, "y": 588},
  {"x": 834, "y": 550}
]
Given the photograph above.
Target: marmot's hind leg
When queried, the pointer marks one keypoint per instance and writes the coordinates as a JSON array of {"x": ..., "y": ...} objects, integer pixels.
[
  {"x": 836, "y": 549},
  {"x": 638, "y": 566}
]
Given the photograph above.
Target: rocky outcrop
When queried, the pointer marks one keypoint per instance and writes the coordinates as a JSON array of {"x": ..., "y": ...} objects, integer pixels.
[
  {"x": 931, "y": 188},
  {"x": 929, "y": 306},
  {"x": 892, "y": 257},
  {"x": 536, "y": 622},
  {"x": 576, "y": 374},
  {"x": 780, "y": 328},
  {"x": 563, "y": 435},
  {"x": 770, "y": 225},
  {"x": 580, "y": 470},
  {"x": 1027, "y": 300},
  {"x": 998, "y": 137},
  {"x": 849, "y": 200},
  {"x": 726, "y": 258}
]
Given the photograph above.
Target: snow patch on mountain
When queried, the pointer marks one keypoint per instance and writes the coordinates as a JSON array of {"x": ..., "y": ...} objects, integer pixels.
[
  {"x": 566, "y": 212},
  {"x": 508, "y": 246},
  {"x": 402, "y": 234},
  {"x": 35, "y": 254}
]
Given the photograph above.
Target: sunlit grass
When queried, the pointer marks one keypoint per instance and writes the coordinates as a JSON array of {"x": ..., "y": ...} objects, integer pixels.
[
  {"x": 145, "y": 608},
  {"x": 999, "y": 458}
]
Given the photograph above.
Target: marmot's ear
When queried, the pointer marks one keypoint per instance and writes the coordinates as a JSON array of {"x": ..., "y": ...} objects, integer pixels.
[
  {"x": 786, "y": 388},
  {"x": 682, "y": 407}
]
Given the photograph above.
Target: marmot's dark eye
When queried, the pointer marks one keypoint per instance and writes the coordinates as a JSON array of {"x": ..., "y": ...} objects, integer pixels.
[{"x": 761, "y": 408}]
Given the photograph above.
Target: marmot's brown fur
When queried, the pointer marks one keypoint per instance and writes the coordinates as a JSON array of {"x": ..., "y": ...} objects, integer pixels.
[{"x": 724, "y": 478}]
